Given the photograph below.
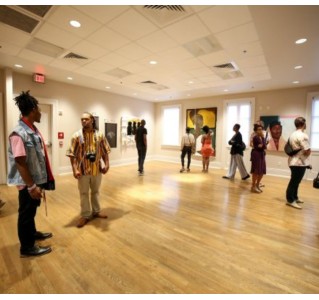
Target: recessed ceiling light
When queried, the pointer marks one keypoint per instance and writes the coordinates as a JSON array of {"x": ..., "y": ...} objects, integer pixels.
[
  {"x": 190, "y": 82},
  {"x": 75, "y": 23},
  {"x": 301, "y": 41},
  {"x": 107, "y": 87},
  {"x": 298, "y": 67},
  {"x": 18, "y": 66},
  {"x": 225, "y": 90},
  {"x": 153, "y": 62},
  {"x": 188, "y": 95},
  {"x": 295, "y": 82},
  {"x": 134, "y": 94},
  {"x": 69, "y": 78}
]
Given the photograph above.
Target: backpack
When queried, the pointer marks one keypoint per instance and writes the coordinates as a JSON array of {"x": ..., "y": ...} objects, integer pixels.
[{"x": 289, "y": 150}]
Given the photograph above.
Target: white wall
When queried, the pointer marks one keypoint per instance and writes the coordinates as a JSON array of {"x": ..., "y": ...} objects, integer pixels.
[
  {"x": 72, "y": 101},
  {"x": 277, "y": 102}
]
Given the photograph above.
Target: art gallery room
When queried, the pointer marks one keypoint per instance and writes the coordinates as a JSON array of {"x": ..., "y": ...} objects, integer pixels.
[{"x": 165, "y": 230}]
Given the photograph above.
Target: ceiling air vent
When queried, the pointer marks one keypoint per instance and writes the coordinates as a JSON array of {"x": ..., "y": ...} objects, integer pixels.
[
  {"x": 168, "y": 7},
  {"x": 163, "y": 15},
  {"x": 39, "y": 10},
  {"x": 45, "y": 48},
  {"x": 117, "y": 72},
  {"x": 227, "y": 71},
  {"x": 74, "y": 56},
  {"x": 153, "y": 85},
  {"x": 203, "y": 46},
  {"x": 16, "y": 19}
]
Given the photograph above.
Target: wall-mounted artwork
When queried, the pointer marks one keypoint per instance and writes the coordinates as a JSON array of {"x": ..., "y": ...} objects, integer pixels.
[
  {"x": 111, "y": 134},
  {"x": 199, "y": 117},
  {"x": 278, "y": 129},
  {"x": 97, "y": 124},
  {"x": 128, "y": 130}
]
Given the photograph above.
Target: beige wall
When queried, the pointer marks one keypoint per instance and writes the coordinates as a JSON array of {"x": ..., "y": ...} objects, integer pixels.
[
  {"x": 275, "y": 102},
  {"x": 72, "y": 101}
]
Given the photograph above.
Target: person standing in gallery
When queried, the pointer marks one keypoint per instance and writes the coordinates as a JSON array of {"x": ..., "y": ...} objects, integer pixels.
[
  {"x": 207, "y": 150},
  {"x": 237, "y": 153},
  {"x": 141, "y": 146},
  {"x": 30, "y": 171},
  {"x": 258, "y": 160},
  {"x": 298, "y": 163},
  {"x": 89, "y": 157},
  {"x": 188, "y": 141}
]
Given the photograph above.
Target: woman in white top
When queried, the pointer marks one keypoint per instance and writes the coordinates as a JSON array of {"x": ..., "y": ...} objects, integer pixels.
[{"x": 188, "y": 141}]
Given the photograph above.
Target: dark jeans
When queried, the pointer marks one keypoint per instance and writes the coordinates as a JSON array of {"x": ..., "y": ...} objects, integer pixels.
[
  {"x": 188, "y": 151},
  {"x": 26, "y": 223},
  {"x": 141, "y": 158},
  {"x": 297, "y": 174}
]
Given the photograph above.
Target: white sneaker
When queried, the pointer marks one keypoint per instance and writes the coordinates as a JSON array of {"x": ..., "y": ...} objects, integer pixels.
[
  {"x": 300, "y": 201},
  {"x": 294, "y": 204}
]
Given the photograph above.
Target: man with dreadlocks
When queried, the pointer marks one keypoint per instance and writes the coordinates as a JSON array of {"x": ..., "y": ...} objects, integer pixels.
[
  {"x": 89, "y": 157},
  {"x": 30, "y": 171}
]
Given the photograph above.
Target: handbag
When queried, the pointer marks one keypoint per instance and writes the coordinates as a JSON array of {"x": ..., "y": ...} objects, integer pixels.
[
  {"x": 316, "y": 182},
  {"x": 289, "y": 150}
]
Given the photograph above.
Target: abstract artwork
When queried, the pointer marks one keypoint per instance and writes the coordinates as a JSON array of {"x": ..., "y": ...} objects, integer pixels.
[{"x": 111, "y": 134}]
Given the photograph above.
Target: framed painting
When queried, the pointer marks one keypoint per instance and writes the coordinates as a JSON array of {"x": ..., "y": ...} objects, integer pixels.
[{"x": 111, "y": 134}]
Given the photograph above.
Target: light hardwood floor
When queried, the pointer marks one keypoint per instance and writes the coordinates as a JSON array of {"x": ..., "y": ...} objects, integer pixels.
[{"x": 168, "y": 233}]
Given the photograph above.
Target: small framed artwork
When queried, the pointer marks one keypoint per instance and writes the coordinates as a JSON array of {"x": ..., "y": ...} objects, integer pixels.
[
  {"x": 111, "y": 134},
  {"x": 97, "y": 125}
]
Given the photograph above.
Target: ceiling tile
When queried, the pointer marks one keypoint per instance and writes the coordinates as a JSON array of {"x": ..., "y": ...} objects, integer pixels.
[
  {"x": 98, "y": 66},
  {"x": 13, "y": 36},
  {"x": 56, "y": 36},
  {"x": 65, "y": 65},
  {"x": 157, "y": 42},
  {"x": 103, "y": 13},
  {"x": 215, "y": 58},
  {"x": 132, "y": 25},
  {"x": 254, "y": 61},
  {"x": 220, "y": 18},
  {"x": 189, "y": 29},
  {"x": 36, "y": 57},
  {"x": 133, "y": 51},
  {"x": 134, "y": 67},
  {"x": 175, "y": 54},
  {"x": 239, "y": 35},
  {"x": 64, "y": 14},
  {"x": 108, "y": 39},
  {"x": 114, "y": 59},
  {"x": 89, "y": 50},
  {"x": 7, "y": 48}
]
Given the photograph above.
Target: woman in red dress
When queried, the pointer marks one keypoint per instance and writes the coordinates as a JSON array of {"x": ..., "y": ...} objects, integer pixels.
[{"x": 207, "y": 149}]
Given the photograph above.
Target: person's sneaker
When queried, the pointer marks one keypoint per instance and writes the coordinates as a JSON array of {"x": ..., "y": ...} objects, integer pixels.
[
  {"x": 2, "y": 203},
  {"x": 182, "y": 170},
  {"x": 225, "y": 177},
  {"x": 82, "y": 221},
  {"x": 246, "y": 177},
  {"x": 300, "y": 201},
  {"x": 188, "y": 170},
  {"x": 141, "y": 173},
  {"x": 294, "y": 204}
]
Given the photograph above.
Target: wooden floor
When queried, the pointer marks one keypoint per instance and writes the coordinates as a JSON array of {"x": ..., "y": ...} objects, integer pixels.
[{"x": 168, "y": 233}]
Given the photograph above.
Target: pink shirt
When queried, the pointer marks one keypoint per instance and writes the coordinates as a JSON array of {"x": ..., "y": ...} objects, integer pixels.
[{"x": 18, "y": 150}]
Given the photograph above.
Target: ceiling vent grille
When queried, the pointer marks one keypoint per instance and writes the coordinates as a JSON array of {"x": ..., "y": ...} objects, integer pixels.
[
  {"x": 16, "y": 19},
  {"x": 39, "y": 10},
  {"x": 203, "y": 46},
  {"x": 179, "y": 8},
  {"x": 74, "y": 56},
  {"x": 153, "y": 85},
  {"x": 118, "y": 73},
  {"x": 227, "y": 71},
  {"x": 45, "y": 48},
  {"x": 163, "y": 15}
]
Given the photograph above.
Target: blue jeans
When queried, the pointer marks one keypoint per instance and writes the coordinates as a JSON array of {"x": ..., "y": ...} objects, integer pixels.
[
  {"x": 297, "y": 174},
  {"x": 141, "y": 158}
]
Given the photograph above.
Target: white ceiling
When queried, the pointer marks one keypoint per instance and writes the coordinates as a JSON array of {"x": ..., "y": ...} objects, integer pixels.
[{"x": 257, "y": 40}]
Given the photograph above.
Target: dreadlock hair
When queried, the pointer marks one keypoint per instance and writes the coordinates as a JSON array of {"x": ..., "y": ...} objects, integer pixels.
[{"x": 26, "y": 103}]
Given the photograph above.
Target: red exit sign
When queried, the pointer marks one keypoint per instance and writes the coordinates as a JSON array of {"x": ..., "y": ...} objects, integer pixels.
[{"x": 39, "y": 78}]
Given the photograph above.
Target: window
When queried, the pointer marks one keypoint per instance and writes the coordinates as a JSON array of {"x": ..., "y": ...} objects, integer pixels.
[
  {"x": 171, "y": 125},
  {"x": 314, "y": 130},
  {"x": 239, "y": 112}
]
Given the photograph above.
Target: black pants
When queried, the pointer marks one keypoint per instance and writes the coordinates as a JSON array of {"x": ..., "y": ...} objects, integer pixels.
[
  {"x": 141, "y": 158},
  {"x": 188, "y": 151},
  {"x": 26, "y": 223},
  {"x": 297, "y": 174}
]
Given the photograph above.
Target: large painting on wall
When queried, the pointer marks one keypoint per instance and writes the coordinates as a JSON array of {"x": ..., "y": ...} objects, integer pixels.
[
  {"x": 278, "y": 129},
  {"x": 199, "y": 117},
  {"x": 111, "y": 134}
]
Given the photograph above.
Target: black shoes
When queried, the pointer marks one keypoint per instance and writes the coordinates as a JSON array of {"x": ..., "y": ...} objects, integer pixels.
[
  {"x": 225, "y": 177},
  {"x": 35, "y": 251},
  {"x": 42, "y": 235},
  {"x": 246, "y": 177}
]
